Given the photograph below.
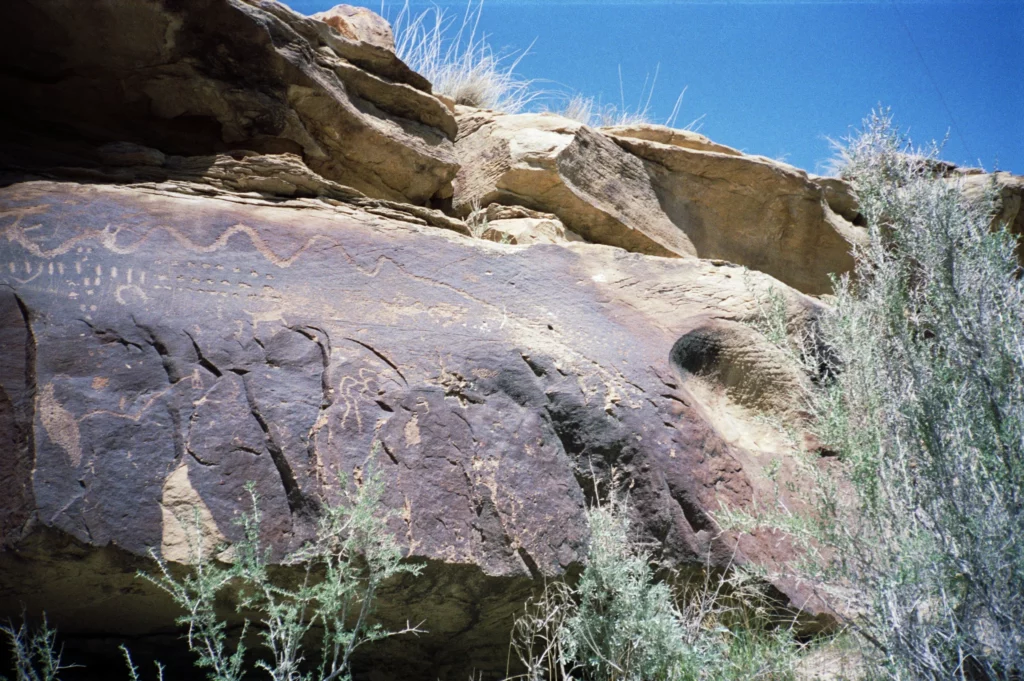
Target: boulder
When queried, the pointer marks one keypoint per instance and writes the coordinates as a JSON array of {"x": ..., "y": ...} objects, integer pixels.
[
  {"x": 521, "y": 226},
  {"x": 359, "y": 23},
  {"x": 750, "y": 210},
  {"x": 1009, "y": 208},
  {"x": 552, "y": 164},
  {"x": 164, "y": 342},
  {"x": 200, "y": 77},
  {"x": 658, "y": 191}
]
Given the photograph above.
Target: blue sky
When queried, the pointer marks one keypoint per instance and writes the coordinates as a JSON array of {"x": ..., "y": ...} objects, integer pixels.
[{"x": 780, "y": 78}]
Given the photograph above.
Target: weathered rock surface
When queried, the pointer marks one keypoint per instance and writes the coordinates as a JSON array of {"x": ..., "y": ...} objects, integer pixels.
[
  {"x": 685, "y": 139},
  {"x": 161, "y": 347},
  {"x": 521, "y": 226},
  {"x": 359, "y": 23},
  {"x": 221, "y": 262},
  {"x": 750, "y": 210},
  {"x": 237, "y": 175},
  {"x": 552, "y": 164},
  {"x": 658, "y": 191},
  {"x": 1009, "y": 202},
  {"x": 840, "y": 198},
  {"x": 198, "y": 77}
]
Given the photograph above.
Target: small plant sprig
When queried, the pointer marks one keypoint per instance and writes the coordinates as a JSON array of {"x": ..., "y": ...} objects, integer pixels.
[
  {"x": 591, "y": 111},
  {"x": 35, "y": 653},
  {"x": 477, "y": 221},
  {"x": 772, "y": 320},
  {"x": 133, "y": 671}
]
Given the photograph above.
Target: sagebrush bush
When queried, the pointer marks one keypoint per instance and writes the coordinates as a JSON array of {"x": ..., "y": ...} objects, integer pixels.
[
  {"x": 925, "y": 405},
  {"x": 626, "y": 625},
  {"x": 619, "y": 623},
  {"x": 352, "y": 555},
  {"x": 615, "y": 624},
  {"x": 342, "y": 569}
]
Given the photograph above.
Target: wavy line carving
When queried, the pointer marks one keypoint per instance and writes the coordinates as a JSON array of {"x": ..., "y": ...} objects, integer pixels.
[{"x": 107, "y": 237}]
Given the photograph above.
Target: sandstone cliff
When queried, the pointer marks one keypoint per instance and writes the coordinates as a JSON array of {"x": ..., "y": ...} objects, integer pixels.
[{"x": 236, "y": 245}]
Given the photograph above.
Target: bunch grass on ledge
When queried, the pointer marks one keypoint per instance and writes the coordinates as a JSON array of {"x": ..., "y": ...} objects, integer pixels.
[{"x": 457, "y": 59}]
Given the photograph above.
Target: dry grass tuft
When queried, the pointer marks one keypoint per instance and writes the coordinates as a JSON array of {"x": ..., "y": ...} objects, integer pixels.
[
  {"x": 590, "y": 110},
  {"x": 458, "y": 60}
]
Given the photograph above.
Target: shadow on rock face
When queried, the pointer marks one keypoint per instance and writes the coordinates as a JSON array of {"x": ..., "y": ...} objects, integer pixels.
[
  {"x": 197, "y": 77},
  {"x": 95, "y": 600}
]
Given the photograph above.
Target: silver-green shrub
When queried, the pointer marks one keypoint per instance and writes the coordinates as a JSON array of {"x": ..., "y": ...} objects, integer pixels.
[
  {"x": 342, "y": 570},
  {"x": 626, "y": 626},
  {"x": 923, "y": 398},
  {"x": 615, "y": 624},
  {"x": 618, "y": 622},
  {"x": 34, "y": 653}
]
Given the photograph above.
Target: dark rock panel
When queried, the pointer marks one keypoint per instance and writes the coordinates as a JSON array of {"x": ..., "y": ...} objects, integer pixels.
[
  {"x": 17, "y": 443},
  {"x": 161, "y": 348}
]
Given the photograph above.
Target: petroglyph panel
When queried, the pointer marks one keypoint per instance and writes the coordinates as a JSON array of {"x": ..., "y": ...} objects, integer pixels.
[{"x": 292, "y": 346}]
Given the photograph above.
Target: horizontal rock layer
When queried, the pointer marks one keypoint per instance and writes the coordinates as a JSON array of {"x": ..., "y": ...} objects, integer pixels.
[{"x": 197, "y": 77}]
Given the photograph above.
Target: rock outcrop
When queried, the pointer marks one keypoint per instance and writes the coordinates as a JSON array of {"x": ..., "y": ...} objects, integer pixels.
[
  {"x": 1009, "y": 200},
  {"x": 552, "y": 164},
  {"x": 749, "y": 210},
  {"x": 242, "y": 245},
  {"x": 359, "y": 23},
  {"x": 204, "y": 76},
  {"x": 162, "y": 348},
  {"x": 684, "y": 139},
  {"x": 521, "y": 226},
  {"x": 654, "y": 190}
]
